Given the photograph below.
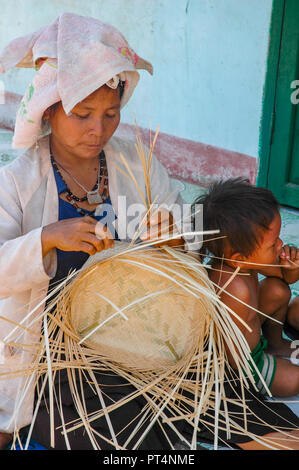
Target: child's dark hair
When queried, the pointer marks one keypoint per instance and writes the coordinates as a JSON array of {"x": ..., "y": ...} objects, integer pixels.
[{"x": 242, "y": 212}]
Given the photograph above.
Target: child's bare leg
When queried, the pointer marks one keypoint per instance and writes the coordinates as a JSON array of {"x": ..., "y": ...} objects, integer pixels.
[
  {"x": 285, "y": 384},
  {"x": 293, "y": 313},
  {"x": 286, "y": 379},
  {"x": 278, "y": 440},
  {"x": 274, "y": 297}
]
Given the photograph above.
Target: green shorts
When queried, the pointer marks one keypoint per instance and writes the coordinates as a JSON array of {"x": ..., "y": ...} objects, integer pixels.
[{"x": 266, "y": 364}]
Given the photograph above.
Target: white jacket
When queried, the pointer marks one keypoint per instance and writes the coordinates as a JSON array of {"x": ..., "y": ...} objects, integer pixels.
[{"x": 29, "y": 201}]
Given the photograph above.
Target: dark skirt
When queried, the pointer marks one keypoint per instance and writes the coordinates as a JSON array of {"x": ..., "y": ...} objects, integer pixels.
[
  {"x": 262, "y": 417},
  {"x": 124, "y": 419}
]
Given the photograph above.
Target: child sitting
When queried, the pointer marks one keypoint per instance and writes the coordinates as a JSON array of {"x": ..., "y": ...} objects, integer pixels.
[{"x": 249, "y": 222}]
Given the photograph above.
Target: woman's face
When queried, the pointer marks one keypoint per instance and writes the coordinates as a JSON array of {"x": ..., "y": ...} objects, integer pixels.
[
  {"x": 90, "y": 125},
  {"x": 270, "y": 246}
]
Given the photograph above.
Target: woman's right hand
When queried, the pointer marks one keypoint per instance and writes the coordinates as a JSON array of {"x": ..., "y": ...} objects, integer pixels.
[{"x": 77, "y": 234}]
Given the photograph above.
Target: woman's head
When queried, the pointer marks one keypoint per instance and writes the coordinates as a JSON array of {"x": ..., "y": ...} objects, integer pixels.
[
  {"x": 73, "y": 57},
  {"x": 89, "y": 125}
]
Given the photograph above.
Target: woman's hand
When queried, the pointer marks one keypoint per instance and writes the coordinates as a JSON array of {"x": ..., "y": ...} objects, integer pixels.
[
  {"x": 161, "y": 226},
  {"x": 4, "y": 439},
  {"x": 77, "y": 234}
]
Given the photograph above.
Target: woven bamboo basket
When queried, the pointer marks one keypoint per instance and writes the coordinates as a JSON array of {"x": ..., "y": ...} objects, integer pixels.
[{"x": 136, "y": 313}]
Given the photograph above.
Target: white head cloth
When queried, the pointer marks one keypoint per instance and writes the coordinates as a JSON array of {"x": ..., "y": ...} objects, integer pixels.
[{"x": 73, "y": 57}]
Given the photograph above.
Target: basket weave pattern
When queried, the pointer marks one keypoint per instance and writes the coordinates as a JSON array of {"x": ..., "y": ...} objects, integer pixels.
[{"x": 157, "y": 322}]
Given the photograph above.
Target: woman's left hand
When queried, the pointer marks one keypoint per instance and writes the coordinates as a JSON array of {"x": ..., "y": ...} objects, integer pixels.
[{"x": 161, "y": 226}]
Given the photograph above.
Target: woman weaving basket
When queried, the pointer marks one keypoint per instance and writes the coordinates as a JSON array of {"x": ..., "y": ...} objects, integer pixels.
[
  {"x": 52, "y": 195},
  {"x": 52, "y": 200}
]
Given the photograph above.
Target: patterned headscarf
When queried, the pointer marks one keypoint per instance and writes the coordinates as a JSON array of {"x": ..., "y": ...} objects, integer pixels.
[{"x": 73, "y": 57}]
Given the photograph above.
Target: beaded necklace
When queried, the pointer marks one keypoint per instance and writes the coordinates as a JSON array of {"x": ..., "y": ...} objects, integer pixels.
[{"x": 93, "y": 196}]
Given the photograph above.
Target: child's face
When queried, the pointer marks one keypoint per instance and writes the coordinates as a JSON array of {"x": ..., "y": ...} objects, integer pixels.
[{"x": 267, "y": 252}]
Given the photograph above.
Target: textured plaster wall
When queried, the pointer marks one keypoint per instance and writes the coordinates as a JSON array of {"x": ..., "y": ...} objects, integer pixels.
[{"x": 209, "y": 58}]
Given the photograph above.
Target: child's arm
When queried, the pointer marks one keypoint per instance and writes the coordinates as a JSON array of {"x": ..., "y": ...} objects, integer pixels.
[
  {"x": 238, "y": 300},
  {"x": 289, "y": 261}
]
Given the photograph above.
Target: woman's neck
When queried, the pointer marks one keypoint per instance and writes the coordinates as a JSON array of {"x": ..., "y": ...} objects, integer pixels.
[{"x": 69, "y": 160}]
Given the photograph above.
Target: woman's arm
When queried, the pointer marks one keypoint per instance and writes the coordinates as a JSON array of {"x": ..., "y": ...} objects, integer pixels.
[
  {"x": 22, "y": 258},
  {"x": 26, "y": 259},
  {"x": 21, "y": 263}
]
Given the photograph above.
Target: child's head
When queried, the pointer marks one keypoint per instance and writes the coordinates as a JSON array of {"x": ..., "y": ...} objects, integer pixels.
[{"x": 248, "y": 217}]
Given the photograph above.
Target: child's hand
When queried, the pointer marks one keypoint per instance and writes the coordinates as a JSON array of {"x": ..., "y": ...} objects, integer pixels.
[
  {"x": 289, "y": 256},
  {"x": 289, "y": 260}
]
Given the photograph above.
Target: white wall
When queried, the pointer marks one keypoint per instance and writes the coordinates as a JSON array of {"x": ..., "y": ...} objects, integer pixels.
[{"x": 209, "y": 58}]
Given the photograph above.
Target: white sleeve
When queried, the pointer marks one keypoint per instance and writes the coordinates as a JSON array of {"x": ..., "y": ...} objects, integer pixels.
[{"x": 21, "y": 261}]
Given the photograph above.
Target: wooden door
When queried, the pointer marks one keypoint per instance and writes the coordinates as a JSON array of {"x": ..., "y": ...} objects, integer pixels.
[{"x": 279, "y": 169}]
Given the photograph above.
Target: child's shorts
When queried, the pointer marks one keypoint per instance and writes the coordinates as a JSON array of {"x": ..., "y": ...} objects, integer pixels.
[{"x": 266, "y": 364}]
